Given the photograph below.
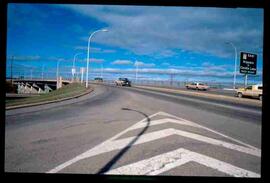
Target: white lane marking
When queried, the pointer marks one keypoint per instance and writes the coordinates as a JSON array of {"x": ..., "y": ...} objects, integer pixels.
[
  {"x": 162, "y": 121},
  {"x": 85, "y": 154},
  {"x": 119, "y": 144},
  {"x": 112, "y": 144},
  {"x": 167, "y": 161},
  {"x": 203, "y": 127}
]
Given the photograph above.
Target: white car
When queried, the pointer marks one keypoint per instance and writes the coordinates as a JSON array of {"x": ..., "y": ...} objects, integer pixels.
[{"x": 197, "y": 86}]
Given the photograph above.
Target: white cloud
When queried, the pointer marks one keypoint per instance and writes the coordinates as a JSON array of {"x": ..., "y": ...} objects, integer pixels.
[
  {"x": 94, "y": 49},
  {"x": 96, "y": 60},
  {"x": 142, "y": 64},
  {"x": 151, "y": 30},
  {"x": 122, "y": 62}
]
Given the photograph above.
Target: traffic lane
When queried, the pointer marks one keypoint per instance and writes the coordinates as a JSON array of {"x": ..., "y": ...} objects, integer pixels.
[
  {"x": 211, "y": 99},
  {"x": 246, "y": 101},
  {"x": 59, "y": 110},
  {"x": 41, "y": 146},
  {"x": 119, "y": 153},
  {"x": 240, "y": 111},
  {"x": 35, "y": 144},
  {"x": 210, "y": 90},
  {"x": 231, "y": 122},
  {"x": 97, "y": 91}
]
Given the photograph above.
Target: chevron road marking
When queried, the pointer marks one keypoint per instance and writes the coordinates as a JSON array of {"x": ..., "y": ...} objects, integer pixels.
[
  {"x": 167, "y": 161},
  {"x": 85, "y": 154},
  {"x": 112, "y": 144}
]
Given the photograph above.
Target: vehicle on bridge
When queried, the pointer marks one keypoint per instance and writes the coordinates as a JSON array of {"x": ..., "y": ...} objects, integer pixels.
[
  {"x": 254, "y": 91},
  {"x": 197, "y": 86},
  {"x": 123, "y": 82}
]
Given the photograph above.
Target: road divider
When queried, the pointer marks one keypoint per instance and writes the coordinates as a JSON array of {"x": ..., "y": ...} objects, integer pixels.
[{"x": 67, "y": 92}]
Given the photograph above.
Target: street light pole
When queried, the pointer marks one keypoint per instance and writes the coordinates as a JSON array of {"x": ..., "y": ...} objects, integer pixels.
[
  {"x": 136, "y": 64},
  {"x": 235, "y": 61},
  {"x": 89, "y": 39},
  {"x": 74, "y": 59},
  {"x": 57, "y": 71}
]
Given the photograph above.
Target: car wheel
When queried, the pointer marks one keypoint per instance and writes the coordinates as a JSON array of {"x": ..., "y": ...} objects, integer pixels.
[
  {"x": 260, "y": 97},
  {"x": 240, "y": 95}
]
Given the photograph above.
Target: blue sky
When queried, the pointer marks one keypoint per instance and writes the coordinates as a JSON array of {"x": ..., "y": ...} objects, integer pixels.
[{"x": 187, "y": 41}]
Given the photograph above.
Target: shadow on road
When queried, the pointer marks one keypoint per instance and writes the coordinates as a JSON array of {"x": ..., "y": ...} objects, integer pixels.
[{"x": 125, "y": 149}]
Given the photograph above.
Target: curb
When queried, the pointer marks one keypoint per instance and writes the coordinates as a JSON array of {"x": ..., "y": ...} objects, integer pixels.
[{"x": 48, "y": 102}]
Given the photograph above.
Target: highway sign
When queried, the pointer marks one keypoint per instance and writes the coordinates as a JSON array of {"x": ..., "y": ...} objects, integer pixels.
[{"x": 248, "y": 63}]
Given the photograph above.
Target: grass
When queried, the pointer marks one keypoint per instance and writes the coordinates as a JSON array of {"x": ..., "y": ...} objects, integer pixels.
[{"x": 69, "y": 90}]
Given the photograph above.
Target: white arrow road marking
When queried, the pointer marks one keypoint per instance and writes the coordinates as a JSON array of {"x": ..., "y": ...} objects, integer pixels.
[
  {"x": 112, "y": 144},
  {"x": 167, "y": 161},
  {"x": 163, "y": 121}
]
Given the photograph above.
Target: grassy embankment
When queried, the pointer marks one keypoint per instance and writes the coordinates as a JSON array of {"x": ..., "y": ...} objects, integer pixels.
[{"x": 69, "y": 90}]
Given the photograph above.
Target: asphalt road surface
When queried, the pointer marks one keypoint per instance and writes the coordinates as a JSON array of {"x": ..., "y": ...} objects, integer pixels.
[{"x": 120, "y": 130}]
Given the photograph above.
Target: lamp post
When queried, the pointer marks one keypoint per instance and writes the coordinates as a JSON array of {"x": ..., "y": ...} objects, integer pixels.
[
  {"x": 89, "y": 39},
  {"x": 74, "y": 59},
  {"x": 57, "y": 71},
  {"x": 136, "y": 64},
  {"x": 235, "y": 60}
]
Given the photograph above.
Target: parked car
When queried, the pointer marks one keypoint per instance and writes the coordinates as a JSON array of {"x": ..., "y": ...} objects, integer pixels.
[
  {"x": 254, "y": 91},
  {"x": 197, "y": 86},
  {"x": 123, "y": 82}
]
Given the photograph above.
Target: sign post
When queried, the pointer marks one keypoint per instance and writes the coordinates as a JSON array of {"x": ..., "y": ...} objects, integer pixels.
[{"x": 248, "y": 64}]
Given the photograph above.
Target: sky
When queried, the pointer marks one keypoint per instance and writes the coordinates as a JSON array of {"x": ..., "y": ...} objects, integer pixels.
[{"x": 189, "y": 42}]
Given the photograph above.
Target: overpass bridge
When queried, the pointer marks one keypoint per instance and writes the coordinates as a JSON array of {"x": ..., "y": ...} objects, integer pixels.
[{"x": 36, "y": 86}]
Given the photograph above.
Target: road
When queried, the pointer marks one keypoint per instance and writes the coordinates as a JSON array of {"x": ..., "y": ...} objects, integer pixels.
[{"x": 119, "y": 130}]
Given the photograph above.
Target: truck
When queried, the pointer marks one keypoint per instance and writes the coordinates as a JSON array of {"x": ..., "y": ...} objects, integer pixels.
[{"x": 254, "y": 91}]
